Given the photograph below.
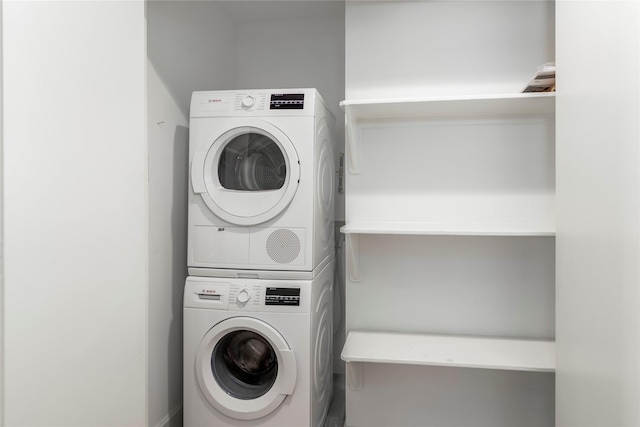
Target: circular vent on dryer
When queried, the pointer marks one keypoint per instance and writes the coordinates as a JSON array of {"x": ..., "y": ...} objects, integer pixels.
[{"x": 283, "y": 246}]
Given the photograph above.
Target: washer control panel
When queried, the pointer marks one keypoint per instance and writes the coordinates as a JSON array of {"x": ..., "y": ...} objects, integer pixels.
[
  {"x": 244, "y": 295},
  {"x": 284, "y": 296}
]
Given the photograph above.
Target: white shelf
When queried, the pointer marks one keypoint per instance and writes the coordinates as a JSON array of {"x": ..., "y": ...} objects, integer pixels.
[
  {"x": 462, "y": 106},
  {"x": 353, "y": 230},
  {"x": 444, "y": 350},
  {"x": 449, "y": 229},
  {"x": 452, "y": 107}
]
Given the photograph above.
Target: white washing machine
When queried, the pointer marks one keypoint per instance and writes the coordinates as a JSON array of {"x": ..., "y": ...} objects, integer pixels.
[
  {"x": 262, "y": 182},
  {"x": 258, "y": 352}
]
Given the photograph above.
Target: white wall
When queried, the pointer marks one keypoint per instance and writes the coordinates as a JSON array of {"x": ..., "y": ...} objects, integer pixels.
[
  {"x": 75, "y": 247},
  {"x": 598, "y": 214},
  {"x": 192, "y": 46},
  {"x": 168, "y": 165},
  {"x": 398, "y": 49},
  {"x": 1, "y": 236}
]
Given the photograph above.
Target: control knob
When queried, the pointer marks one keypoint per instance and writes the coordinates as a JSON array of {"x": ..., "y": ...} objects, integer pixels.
[
  {"x": 248, "y": 102},
  {"x": 244, "y": 296}
]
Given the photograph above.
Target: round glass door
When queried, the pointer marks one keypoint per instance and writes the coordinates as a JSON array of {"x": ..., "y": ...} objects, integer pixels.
[
  {"x": 252, "y": 162},
  {"x": 245, "y": 368},
  {"x": 249, "y": 174},
  {"x": 244, "y": 364}
]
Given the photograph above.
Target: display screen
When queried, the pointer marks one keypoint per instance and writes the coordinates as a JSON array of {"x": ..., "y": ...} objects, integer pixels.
[
  {"x": 287, "y": 101},
  {"x": 282, "y": 296}
]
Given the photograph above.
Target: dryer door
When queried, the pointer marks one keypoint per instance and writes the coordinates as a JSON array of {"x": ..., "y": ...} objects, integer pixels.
[
  {"x": 245, "y": 368},
  {"x": 249, "y": 174}
]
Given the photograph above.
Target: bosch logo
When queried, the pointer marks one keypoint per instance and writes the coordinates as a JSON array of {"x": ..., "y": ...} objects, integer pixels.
[{"x": 215, "y": 100}]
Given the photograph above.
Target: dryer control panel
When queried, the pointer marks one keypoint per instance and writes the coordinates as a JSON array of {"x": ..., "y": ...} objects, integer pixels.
[
  {"x": 255, "y": 103},
  {"x": 277, "y": 101}
]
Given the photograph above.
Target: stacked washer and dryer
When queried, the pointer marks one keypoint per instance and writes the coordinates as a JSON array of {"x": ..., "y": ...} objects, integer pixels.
[{"x": 258, "y": 314}]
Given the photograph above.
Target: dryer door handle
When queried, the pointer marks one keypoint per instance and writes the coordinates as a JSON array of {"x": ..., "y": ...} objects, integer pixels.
[
  {"x": 197, "y": 172},
  {"x": 289, "y": 369}
]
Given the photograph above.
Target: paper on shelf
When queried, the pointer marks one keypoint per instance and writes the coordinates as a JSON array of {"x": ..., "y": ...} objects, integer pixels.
[{"x": 544, "y": 80}]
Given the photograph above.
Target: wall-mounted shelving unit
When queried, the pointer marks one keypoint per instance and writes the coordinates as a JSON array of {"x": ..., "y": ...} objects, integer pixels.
[{"x": 451, "y": 178}]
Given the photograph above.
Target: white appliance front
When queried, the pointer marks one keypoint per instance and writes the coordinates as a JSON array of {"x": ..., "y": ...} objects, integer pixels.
[
  {"x": 258, "y": 352},
  {"x": 262, "y": 182}
]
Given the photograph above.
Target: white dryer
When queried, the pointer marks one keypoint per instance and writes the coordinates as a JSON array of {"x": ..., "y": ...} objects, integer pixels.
[
  {"x": 258, "y": 352},
  {"x": 262, "y": 182}
]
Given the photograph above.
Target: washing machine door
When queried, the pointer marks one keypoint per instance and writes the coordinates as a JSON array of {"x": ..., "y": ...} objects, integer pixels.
[
  {"x": 249, "y": 174},
  {"x": 245, "y": 368}
]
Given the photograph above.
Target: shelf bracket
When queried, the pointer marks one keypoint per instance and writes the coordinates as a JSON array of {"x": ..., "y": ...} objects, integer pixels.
[
  {"x": 355, "y": 375},
  {"x": 353, "y": 257},
  {"x": 352, "y": 141}
]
